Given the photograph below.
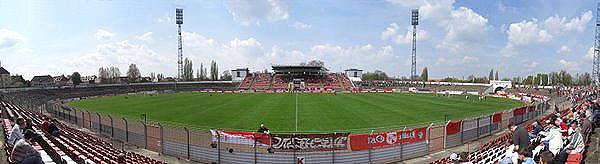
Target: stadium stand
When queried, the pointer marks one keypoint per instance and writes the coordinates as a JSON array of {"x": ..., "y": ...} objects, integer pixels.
[
  {"x": 279, "y": 82},
  {"x": 262, "y": 81},
  {"x": 494, "y": 151},
  {"x": 247, "y": 82},
  {"x": 72, "y": 146}
]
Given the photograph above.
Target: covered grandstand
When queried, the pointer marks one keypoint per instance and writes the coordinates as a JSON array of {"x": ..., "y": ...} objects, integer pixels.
[{"x": 297, "y": 77}]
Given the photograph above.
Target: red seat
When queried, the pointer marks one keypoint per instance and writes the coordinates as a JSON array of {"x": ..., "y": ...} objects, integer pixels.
[{"x": 574, "y": 158}]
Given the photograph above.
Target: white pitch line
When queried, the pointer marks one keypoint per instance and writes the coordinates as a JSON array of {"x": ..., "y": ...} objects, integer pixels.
[{"x": 296, "y": 112}]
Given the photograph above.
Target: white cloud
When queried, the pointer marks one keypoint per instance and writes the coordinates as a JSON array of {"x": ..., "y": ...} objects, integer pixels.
[
  {"x": 244, "y": 52},
  {"x": 9, "y": 39},
  {"x": 146, "y": 37},
  {"x": 556, "y": 24},
  {"x": 464, "y": 28},
  {"x": 531, "y": 65},
  {"x": 460, "y": 61},
  {"x": 469, "y": 59},
  {"x": 390, "y": 31},
  {"x": 120, "y": 54},
  {"x": 300, "y": 25},
  {"x": 435, "y": 10},
  {"x": 526, "y": 32},
  {"x": 166, "y": 18},
  {"x": 254, "y": 12},
  {"x": 569, "y": 65},
  {"x": 505, "y": 8},
  {"x": 408, "y": 3},
  {"x": 563, "y": 50},
  {"x": 102, "y": 34},
  {"x": 589, "y": 55},
  {"x": 393, "y": 33},
  {"x": 252, "y": 53}
]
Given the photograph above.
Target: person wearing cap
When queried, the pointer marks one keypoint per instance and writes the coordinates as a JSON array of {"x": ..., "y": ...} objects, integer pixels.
[
  {"x": 17, "y": 132},
  {"x": 23, "y": 151}
]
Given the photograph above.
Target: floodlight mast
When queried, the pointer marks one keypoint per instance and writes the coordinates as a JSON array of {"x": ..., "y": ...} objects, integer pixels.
[
  {"x": 179, "y": 22},
  {"x": 414, "y": 22},
  {"x": 596, "y": 60}
]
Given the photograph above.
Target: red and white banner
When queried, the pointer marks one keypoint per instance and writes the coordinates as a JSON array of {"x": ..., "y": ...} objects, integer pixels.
[
  {"x": 366, "y": 141},
  {"x": 246, "y": 138}
]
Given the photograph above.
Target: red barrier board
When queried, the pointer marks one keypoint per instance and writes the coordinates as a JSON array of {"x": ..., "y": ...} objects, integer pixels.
[
  {"x": 366, "y": 141},
  {"x": 453, "y": 127},
  {"x": 519, "y": 111},
  {"x": 497, "y": 118}
]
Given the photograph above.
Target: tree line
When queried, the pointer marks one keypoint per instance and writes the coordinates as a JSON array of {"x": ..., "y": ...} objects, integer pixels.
[
  {"x": 111, "y": 75},
  {"x": 562, "y": 77}
]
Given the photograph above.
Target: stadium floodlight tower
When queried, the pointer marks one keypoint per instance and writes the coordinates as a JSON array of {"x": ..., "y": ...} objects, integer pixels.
[
  {"x": 179, "y": 22},
  {"x": 414, "y": 22},
  {"x": 596, "y": 60}
]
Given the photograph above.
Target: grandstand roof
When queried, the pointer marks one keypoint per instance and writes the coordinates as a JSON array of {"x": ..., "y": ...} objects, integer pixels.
[
  {"x": 3, "y": 71},
  {"x": 295, "y": 69},
  {"x": 353, "y": 69},
  {"x": 241, "y": 69}
]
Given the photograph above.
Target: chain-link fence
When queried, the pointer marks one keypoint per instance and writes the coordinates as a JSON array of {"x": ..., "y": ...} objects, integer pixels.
[{"x": 223, "y": 146}]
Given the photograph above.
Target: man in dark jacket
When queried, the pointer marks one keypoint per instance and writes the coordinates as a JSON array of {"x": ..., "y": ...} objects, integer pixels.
[
  {"x": 586, "y": 125},
  {"x": 520, "y": 137}
]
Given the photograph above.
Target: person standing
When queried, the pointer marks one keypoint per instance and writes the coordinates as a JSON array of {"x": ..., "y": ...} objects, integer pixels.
[{"x": 520, "y": 137}]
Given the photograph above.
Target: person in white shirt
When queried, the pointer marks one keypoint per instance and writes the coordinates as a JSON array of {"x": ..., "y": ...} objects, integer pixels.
[
  {"x": 16, "y": 132},
  {"x": 554, "y": 139}
]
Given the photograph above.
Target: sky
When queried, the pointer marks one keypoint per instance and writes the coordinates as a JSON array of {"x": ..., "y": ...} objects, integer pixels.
[{"x": 454, "y": 38}]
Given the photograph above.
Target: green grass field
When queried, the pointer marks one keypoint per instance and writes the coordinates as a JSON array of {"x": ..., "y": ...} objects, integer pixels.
[{"x": 286, "y": 112}]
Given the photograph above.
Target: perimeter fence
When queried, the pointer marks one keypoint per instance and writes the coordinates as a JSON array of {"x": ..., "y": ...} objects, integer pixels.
[{"x": 226, "y": 146}]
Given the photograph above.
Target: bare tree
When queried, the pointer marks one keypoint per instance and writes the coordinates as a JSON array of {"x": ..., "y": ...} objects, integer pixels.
[
  {"x": 188, "y": 71},
  {"x": 133, "y": 74},
  {"x": 214, "y": 71}
]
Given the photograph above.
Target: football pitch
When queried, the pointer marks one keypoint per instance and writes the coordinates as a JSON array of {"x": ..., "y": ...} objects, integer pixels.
[{"x": 291, "y": 112}]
